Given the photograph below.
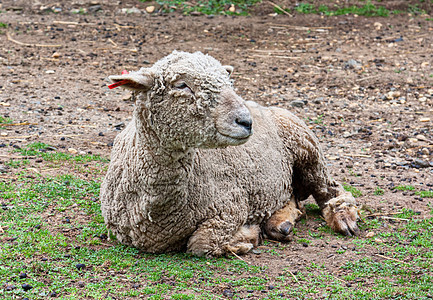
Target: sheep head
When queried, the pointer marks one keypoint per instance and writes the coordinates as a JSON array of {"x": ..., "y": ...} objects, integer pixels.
[{"x": 187, "y": 100}]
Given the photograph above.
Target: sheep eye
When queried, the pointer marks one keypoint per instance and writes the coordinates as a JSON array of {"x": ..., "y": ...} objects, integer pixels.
[{"x": 182, "y": 86}]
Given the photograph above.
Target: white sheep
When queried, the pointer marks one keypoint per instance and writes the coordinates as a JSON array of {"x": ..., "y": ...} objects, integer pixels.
[{"x": 188, "y": 174}]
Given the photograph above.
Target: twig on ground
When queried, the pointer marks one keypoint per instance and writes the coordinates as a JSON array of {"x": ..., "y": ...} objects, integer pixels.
[
  {"x": 238, "y": 257},
  {"x": 397, "y": 219},
  {"x": 276, "y": 56},
  {"x": 280, "y": 9},
  {"x": 339, "y": 278},
  {"x": 29, "y": 45},
  {"x": 111, "y": 41},
  {"x": 390, "y": 258},
  {"x": 368, "y": 77},
  {"x": 293, "y": 275},
  {"x": 384, "y": 214},
  {"x": 20, "y": 124}
]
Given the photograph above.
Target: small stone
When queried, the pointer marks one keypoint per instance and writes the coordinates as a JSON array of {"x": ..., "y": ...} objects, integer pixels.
[
  {"x": 136, "y": 285},
  {"x": 132, "y": 10},
  {"x": 53, "y": 294},
  {"x": 80, "y": 266},
  {"x": 318, "y": 100},
  {"x": 94, "y": 8},
  {"x": 26, "y": 287},
  {"x": 23, "y": 275},
  {"x": 351, "y": 63},
  {"x": 55, "y": 55},
  {"x": 392, "y": 95},
  {"x": 228, "y": 293},
  {"x": 50, "y": 72},
  {"x": 121, "y": 124},
  {"x": 422, "y": 163},
  {"x": 370, "y": 235},
  {"x": 377, "y": 25},
  {"x": 150, "y": 9},
  {"x": 10, "y": 287},
  {"x": 305, "y": 244},
  {"x": 424, "y": 120},
  {"x": 297, "y": 103},
  {"x": 256, "y": 251},
  {"x": 72, "y": 150},
  {"x": 232, "y": 8},
  {"x": 81, "y": 284}
]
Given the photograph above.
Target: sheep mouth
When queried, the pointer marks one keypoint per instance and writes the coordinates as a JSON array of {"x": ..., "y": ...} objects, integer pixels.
[{"x": 235, "y": 139}]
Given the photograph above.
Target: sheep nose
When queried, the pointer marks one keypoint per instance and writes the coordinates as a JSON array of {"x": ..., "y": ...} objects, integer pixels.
[{"x": 246, "y": 123}]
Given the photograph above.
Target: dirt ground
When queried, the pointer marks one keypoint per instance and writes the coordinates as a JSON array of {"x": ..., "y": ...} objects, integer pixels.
[{"x": 364, "y": 85}]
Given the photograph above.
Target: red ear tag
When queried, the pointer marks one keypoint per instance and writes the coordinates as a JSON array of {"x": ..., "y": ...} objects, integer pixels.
[
  {"x": 125, "y": 72},
  {"x": 119, "y": 83}
]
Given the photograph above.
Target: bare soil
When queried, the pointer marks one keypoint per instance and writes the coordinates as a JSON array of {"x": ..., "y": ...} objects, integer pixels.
[{"x": 364, "y": 85}]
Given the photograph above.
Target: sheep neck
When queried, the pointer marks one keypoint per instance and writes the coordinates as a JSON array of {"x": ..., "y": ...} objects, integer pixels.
[{"x": 167, "y": 172}]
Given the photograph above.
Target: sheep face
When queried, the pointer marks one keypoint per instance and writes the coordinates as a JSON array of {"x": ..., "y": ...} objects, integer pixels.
[{"x": 187, "y": 100}]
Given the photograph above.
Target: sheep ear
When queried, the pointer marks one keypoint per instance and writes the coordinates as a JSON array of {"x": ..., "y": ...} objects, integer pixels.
[
  {"x": 229, "y": 69},
  {"x": 135, "y": 81}
]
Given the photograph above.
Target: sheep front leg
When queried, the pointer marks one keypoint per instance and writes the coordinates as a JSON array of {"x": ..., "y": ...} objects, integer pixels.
[
  {"x": 338, "y": 206},
  {"x": 214, "y": 238},
  {"x": 280, "y": 225}
]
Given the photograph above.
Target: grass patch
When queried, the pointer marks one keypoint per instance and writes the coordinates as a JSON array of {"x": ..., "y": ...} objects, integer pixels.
[
  {"x": 4, "y": 120},
  {"x": 379, "y": 192},
  {"x": 49, "y": 153},
  {"x": 405, "y": 188},
  {"x": 353, "y": 190},
  {"x": 401, "y": 267},
  {"x": 3, "y": 25},
  {"x": 368, "y": 10},
  {"x": 213, "y": 7}
]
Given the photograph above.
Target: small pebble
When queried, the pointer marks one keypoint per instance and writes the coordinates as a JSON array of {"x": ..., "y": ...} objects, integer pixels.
[
  {"x": 150, "y": 9},
  {"x": 370, "y": 235},
  {"x": 81, "y": 283},
  {"x": 228, "y": 293},
  {"x": 26, "y": 287},
  {"x": 80, "y": 266},
  {"x": 23, "y": 275}
]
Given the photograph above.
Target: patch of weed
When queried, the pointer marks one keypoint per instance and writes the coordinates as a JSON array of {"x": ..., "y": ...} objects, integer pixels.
[
  {"x": 405, "y": 188},
  {"x": 213, "y": 7},
  {"x": 379, "y": 192},
  {"x": 368, "y": 10},
  {"x": 425, "y": 194},
  {"x": 4, "y": 120},
  {"x": 353, "y": 190},
  {"x": 3, "y": 25},
  {"x": 49, "y": 153}
]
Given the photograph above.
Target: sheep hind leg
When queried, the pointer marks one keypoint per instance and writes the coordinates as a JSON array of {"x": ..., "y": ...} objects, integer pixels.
[
  {"x": 216, "y": 237},
  {"x": 245, "y": 239},
  {"x": 280, "y": 225}
]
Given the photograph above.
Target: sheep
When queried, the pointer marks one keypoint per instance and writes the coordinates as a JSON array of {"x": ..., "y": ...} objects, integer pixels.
[{"x": 188, "y": 174}]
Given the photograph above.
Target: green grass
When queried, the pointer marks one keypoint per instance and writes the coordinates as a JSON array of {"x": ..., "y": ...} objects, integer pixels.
[
  {"x": 213, "y": 7},
  {"x": 378, "y": 191},
  {"x": 4, "y": 120},
  {"x": 355, "y": 192},
  {"x": 368, "y": 10},
  {"x": 48, "y": 153},
  {"x": 405, "y": 188},
  {"x": 399, "y": 267},
  {"x": 3, "y": 25},
  {"x": 53, "y": 223}
]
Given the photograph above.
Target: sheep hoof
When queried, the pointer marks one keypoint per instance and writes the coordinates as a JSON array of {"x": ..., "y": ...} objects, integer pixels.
[
  {"x": 240, "y": 248},
  {"x": 342, "y": 218},
  {"x": 281, "y": 232}
]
